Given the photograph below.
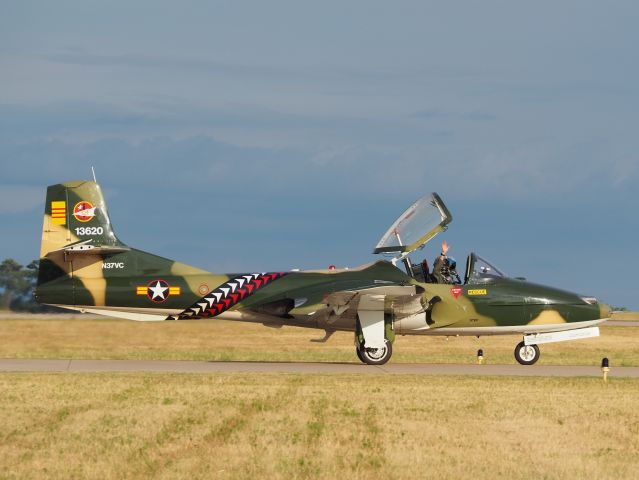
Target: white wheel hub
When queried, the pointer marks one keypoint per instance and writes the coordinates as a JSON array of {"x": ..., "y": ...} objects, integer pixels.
[
  {"x": 375, "y": 353},
  {"x": 527, "y": 353}
]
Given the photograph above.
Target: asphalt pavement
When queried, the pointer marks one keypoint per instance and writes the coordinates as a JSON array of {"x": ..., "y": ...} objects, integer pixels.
[{"x": 182, "y": 366}]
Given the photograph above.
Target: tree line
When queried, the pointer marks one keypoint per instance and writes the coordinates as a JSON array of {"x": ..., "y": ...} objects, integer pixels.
[{"x": 17, "y": 283}]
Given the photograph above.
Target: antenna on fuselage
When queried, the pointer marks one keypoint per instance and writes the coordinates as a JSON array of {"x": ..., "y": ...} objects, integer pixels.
[{"x": 93, "y": 172}]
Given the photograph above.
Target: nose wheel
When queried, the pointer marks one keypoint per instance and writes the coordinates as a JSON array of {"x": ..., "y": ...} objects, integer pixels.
[{"x": 526, "y": 354}]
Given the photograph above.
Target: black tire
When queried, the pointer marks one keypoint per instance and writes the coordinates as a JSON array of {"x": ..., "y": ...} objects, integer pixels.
[
  {"x": 359, "y": 355},
  {"x": 375, "y": 356},
  {"x": 527, "y": 354}
]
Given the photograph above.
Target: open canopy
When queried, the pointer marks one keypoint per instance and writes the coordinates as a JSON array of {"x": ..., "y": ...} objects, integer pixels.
[{"x": 416, "y": 226}]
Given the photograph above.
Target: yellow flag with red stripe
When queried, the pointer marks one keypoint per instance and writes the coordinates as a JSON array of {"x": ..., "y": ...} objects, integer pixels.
[{"x": 59, "y": 213}]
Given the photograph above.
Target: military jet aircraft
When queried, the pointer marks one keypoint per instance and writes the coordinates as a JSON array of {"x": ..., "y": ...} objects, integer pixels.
[{"x": 85, "y": 267}]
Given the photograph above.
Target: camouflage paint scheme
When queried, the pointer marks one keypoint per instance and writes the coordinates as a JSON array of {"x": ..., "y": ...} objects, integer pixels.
[{"x": 84, "y": 266}]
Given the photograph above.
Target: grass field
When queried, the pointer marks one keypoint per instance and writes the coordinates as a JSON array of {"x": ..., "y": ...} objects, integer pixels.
[
  {"x": 82, "y": 337},
  {"x": 248, "y": 426},
  {"x": 282, "y": 426},
  {"x": 625, "y": 316}
]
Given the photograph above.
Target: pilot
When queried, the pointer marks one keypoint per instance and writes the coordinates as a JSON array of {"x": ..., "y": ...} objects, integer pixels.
[
  {"x": 440, "y": 264},
  {"x": 445, "y": 268}
]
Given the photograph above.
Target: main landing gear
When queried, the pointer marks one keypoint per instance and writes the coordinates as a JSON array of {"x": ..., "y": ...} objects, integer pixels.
[
  {"x": 375, "y": 356},
  {"x": 526, "y": 354}
]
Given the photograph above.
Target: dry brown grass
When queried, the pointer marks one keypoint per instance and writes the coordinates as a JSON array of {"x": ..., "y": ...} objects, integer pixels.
[
  {"x": 625, "y": 316},
  {"x": 31, "y": 337},
  {"x": 249, "y": 426}
]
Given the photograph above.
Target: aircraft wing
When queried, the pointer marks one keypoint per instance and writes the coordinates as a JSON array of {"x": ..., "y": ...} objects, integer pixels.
[
  {"x": 381, "y": 292},
  {"x": 407, "y": 298},
  {"x": 372, "y": 307}
]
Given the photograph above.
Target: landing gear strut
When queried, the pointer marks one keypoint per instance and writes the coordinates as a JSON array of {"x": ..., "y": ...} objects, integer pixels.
[
  {"x": 526, "y": 354},
  {"x": 375, "y": 356}
]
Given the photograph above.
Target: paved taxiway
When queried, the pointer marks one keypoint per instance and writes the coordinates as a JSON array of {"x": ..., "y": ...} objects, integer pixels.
[
  {"x": 621, "y": 323},
  {"x": 168, "y": 366}
]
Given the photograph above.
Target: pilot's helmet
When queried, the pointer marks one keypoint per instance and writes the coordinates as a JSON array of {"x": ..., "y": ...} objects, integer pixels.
[{"x": 452, "y": 264}]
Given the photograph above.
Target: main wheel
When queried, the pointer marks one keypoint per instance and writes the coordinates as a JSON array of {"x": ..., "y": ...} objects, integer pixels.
[
  {"x": 375, "y": 356},
  {"x": 526, "y": 354},
  {"x": 358, "y": 351}
]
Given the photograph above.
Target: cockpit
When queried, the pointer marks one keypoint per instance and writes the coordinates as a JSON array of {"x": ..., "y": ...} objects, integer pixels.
[
  {"x": 478, "y": 270},
  {"x": 422, "y": 221}
]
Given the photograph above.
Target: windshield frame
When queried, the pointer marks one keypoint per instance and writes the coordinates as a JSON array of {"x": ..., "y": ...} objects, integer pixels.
[{"x": 472, "y": 276}]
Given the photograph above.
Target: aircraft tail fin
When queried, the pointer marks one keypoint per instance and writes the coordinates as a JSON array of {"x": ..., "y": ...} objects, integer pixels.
[
  {"x": 75, "y": 220},
  {"x": 82, "y": 261}
]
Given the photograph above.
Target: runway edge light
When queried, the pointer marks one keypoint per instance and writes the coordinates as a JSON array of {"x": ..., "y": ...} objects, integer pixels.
[
  {"x": 605, "y": 368},
  {"x": 480, "y": 356}
]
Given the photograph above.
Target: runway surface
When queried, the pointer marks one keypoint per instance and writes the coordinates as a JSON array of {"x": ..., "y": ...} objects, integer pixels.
[
  {"x": 171, "y": 366},
  {"x": 621, "y": 323}
]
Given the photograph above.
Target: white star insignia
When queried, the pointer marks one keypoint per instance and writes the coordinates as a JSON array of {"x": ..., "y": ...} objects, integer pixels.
[{"x": 158, "y": 291}]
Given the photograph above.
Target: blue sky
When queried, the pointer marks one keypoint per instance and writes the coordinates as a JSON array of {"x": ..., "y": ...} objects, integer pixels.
[{"x": 241, "y": 136}]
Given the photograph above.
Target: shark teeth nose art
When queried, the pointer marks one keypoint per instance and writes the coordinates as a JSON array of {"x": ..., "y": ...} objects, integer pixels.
[{"x": 227, "y": 295}]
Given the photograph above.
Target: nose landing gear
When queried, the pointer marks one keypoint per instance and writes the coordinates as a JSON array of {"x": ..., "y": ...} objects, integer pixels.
[{"x": 526, "y": 354}]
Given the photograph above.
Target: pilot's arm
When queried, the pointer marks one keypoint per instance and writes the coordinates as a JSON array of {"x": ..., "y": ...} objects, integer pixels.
[{"x": 440, "y": 262}]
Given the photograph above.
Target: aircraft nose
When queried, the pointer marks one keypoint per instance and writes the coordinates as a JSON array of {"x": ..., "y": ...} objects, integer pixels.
[{"x": 604, "y": 310}]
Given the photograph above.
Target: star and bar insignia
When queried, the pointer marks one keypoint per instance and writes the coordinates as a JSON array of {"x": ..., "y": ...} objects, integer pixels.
[{"x": 158, "y": 290}]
